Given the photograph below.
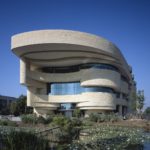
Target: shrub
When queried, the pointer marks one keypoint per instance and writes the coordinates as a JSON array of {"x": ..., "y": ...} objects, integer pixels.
[
  {"x": 43, "y": 120},
  {"x": 101, "y": 118},
  {"x": 76, "y": 122},
  {"x": 3, "y": 123},
  {"x": 33, "y": 119},
  {"x": 87, "y": 122},
  {"x": 70, "y": 128},
  {"x": 48, "y": 119},
  {"x": 60, "y": 120},
  {"x": 8, "y": 123},
  {"x": 30, "y": 118},
  {"x": 21, "y": 140},
  {"x": 77, "y": 113},
  {"x": 62, "y": 147},
  {"x": 95, "y": 117}
]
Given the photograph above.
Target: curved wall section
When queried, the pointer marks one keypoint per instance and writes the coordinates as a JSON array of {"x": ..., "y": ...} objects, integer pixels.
[
  {"x": 102, "y": 77},
  {"x": 89, "y": 99},
  {"x": 56, "y": 37},
  {"x": 87, "y": 77},
  {"x": 98, "y": 99},
  {"x": 124, "y": 87}
]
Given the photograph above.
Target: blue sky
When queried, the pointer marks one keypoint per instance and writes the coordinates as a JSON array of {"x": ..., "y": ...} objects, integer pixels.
[{"x": 124, "y": 22}]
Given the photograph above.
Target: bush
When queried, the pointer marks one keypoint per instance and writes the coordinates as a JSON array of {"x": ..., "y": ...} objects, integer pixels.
[
  {"x": 30, "y": 118},
  {"x": 48, "y": 119},
  {"x": 19, "y": 107},
  {"x": 66, "y": 123},
  {"x": 70, "y": 128},
  {"x": 3, "y": 123},
  {"x": 21, "y": 140},
  {"x": 87, "y": 122},
  {"x": 76, "y": 122},
  {"x": 95, "y": 117},
  {"x": 43, "y": 120},
  {"x": 33, "y": 119},
  {"x": 60, "y": 120},
  {"x": 8, "y": 123},
  {"x": 77, "y": 113}
]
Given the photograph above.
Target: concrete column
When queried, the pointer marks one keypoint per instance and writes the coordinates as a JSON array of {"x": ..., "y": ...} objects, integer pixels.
[
  {"x": 30, "y": 96},
  {"x": 24, "y": 66}
]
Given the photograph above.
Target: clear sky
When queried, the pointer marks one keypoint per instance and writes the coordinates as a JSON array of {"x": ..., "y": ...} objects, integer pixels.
[{"x": 124, "y": 22}]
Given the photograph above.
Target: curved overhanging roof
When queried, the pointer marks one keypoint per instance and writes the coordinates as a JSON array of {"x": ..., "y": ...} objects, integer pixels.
[{"x": 60, "y": 47}]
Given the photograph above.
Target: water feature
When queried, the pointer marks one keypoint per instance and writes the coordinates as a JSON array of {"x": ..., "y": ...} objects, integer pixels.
[{"x": 144, "y": 146}]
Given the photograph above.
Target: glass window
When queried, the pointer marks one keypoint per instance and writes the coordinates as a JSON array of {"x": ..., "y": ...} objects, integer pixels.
[
  {"x": 61, "y": 69},
  {"x": 99, "y": 66},
  {"x": 125, "y": 96},
  {"x": 76, "y": 68},
  {"x": 117, "y": 94},
  {"x": 75, "y": 88},
  {"x": 123, "y": 78},
  {"x": 67, "y": 106},
  {"x": 65, "y": 88}
]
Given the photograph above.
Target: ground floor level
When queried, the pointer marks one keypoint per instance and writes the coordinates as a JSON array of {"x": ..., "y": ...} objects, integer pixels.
[{"x": 68, "y": 110}]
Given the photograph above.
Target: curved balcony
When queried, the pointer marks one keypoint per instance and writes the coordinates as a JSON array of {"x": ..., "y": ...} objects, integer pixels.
[
  {"x": 96, "y": 77},
  {"x": 54, "y": 77},
  {"x": 103, "y": 100}
]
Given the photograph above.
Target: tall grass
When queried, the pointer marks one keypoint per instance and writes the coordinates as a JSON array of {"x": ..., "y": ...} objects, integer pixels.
[{"x": 22, "y": 140}]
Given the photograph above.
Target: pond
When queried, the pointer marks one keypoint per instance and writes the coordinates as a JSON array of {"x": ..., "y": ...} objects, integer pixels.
[
  {"x": 113, "y": 137},
  {"x": 147, "y": 146},
  {"x": 144, "y": 146}
]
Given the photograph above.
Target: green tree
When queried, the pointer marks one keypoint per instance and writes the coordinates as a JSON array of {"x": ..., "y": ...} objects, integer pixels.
[
  {"x": 21, "y": 104},
  {"x": 13, "y": 109},
  {"x": 77, "y": 113},
  {"x": 133, "y": 102},
  {"x": 19, "y": 107},
  {"x": 147, "y": 111},
  {"x": 140, "y": 101}
]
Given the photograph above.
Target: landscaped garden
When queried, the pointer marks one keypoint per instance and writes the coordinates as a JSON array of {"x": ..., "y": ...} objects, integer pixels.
[
  {"x": 57, "y": 132},
  {"x": 99, "y": 131}
]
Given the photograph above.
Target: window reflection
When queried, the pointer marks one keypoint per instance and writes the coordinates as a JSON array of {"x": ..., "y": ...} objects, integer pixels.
[
  {"x": 75, "y": 88},
  {"x": 67, "y": 106},
  {"x": 99, "y": 66}
]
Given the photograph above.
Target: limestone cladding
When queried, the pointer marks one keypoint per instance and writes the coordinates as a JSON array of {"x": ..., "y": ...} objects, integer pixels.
[{"x": 65, "y": 48}]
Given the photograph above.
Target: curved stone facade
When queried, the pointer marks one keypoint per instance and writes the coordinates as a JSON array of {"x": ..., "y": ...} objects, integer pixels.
[{"x": 69, "y": 67}]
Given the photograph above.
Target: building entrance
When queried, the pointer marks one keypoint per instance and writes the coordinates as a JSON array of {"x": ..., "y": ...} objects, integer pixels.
[{"x": 67, "y": 109}]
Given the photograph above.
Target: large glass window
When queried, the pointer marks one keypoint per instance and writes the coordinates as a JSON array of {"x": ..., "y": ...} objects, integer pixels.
[
  {"x": 76, "y": 68},
  {"x": 75, "y": 88},
  {"x": 99, "y": 66},
  {"x": 65, "y": 88},
  {"x": 61, "y": 69},
  {"x": 98, "y": 89}
]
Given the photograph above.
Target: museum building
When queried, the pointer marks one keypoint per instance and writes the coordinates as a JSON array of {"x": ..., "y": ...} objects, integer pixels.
[{"x": 64, "y": 70}]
